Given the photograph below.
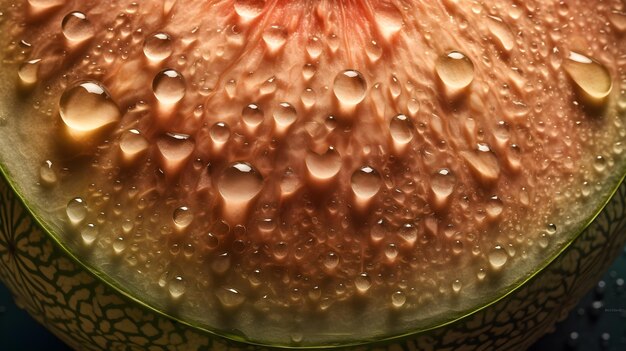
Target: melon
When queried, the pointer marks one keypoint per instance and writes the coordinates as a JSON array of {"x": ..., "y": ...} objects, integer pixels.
[{"x": 251, "y": 174}]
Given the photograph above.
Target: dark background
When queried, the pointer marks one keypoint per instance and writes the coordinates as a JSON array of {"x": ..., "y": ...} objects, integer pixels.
[{"x": 597, "y": 323}]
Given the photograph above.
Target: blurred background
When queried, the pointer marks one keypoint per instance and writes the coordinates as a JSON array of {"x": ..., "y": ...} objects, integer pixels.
[{"x": 597, "y": 323}]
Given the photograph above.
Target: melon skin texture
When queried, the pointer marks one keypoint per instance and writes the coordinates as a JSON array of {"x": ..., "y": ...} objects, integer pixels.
[{"x": 88, "y": 314}]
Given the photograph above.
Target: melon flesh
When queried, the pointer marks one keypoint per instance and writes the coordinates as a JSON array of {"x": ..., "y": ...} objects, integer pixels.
[{"x": 313, "y": 172}]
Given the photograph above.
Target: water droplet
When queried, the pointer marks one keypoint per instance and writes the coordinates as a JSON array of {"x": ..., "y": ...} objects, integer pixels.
[
  {"x": 551, "y": 229},
  {"x": 373, "y": 51},
  {"x": 230, "y": 297},
  {"x": 331, "y": 260},
  {"x": 314, "y": 47},
  {"x": 42, "y": 4},
  {"x": 275, "y": 37},
  {"x": 497, "y": 257},
  {"x": 281, "y": 250},
  {"x": 249, "y": 9},
  {"x": 483, "y": 163},
  {"x": 618, "y": 20},
  {"x": 240, "y": 182},
  {"x": 47, "y": 175},
  {"x": 408, "y": 232},
  {"x": 350, "y": 87},
  {"x": 119, "y": 245},
  {"x": 456, "y": 286},
  {"x": 401, "y": 129},
  {"x": 252, "y": 115},
  {"x": 589, "y": 75},
  {"x": 388, "y": 19},
  {"x": 599, "y": 163},
  {"x": 398, "y": 299},
  {"x": 363, "y": 282},
  {"x": 443, "y": 183},
  {"x": 87, "y": 106},
  {"x": 220, "y": 132},
  {"x": 29, "y": 71},
  {"x": 269, "y": 86},
  {"x": 543, "y": 240},
  {"x": 182, "y": 217},
  {"x": 308, "y": 97},
  {"x": 481, "y": 274},
  {"x": 501, "y": 31},
  {"x": 324, "y": 166},
  {"x": 132, "y": 143},
  {"x": 158, "y": 47},
  {"x": 285, "y": 114},
  {"x": 175, "y": 148},
  {"x": 177, "y": 287},
  {"x": 455, "y": 70},
  {"x": 494, "y": 207},
  {"x": 391, "y": 252},
  {"x": 76, "y": 210},
  {"x": 89, "y": 234},
  {"x": 169, "y": 86},
  {"x": 365, "y": 182},
  {"x": 76, "y": 26},
  {"x": 308, "y": 71}
]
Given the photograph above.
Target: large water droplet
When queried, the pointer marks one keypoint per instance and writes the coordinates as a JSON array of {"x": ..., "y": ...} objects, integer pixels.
[
  {"x": 501, "y": 32},
  {"x": 365, "y": 182},
  {"x": 398, "y": 299},
  {"x": 76, "y": 210},
  {"x": 350, "y": 87},
  {"x": 169, "y": 86},
  {"x": 175, "y": 148},
  {"x": 497, "y": 257},
  {"x": 87, "y": 106},
  {"x": 177, "y": 287},
  {"x": 483, "y": 164},
  {"x": 76, "y": 26},
  {"x": 455, "y": 70},
  {"x": 249, "y": 9},
  {"x": 157, "y": 47},
  {"x": 323, "y": 166},
  {"x": 401, "y": 129},
  {"x": 240, "y": 182},
  {"x": 589, "y": 75}
]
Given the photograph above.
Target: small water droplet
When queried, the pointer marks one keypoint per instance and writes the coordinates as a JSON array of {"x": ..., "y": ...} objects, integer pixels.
[
  {"x": 29, "y": 71},
  {"x": 119, "y": 245},
  {"x": 401, "y": 129},
  {"x": 373, "y": 51},
  {"x": 443, "y": 183},
  {"x": 363, "y": 282},
  {"x": 398, "y": 299},
  {"x": 497, "y": 257},
  {"x": 285, "y": 114},
  {"x": 268, "y": 87},
  {"x": 230, "y": 297},
  {"x": 365, "y": 182},
  {"x": 89, "y": 234},
  {"x": 182, "y": 217},
  {"x": 481, "y": 274},
  {"x": 158, "y": 47},
  {"x": 87, "y": 106},
  {"x": 220, "y": 132},
  {"x": 76, "y": 210},
  {"x": 47, "y": 175},
  {"x": 391, "y": 252},
  {"x": 323, "y": 166},
  {"x": 249, "y": 9},
  {"x": 240, "y": 182},
  {"x": 599, "y": 163},
  {"x": 169, "y": 86},
  {"x": 331, "y": 260},
  {"x": 589, "y": 75},
  {"x": 76, "y": 26},
  {"x": 408, "y": 232},
  {"x": 252, "y": 115},
  {"x": 350, "y": 87},
  {"x": 543, "y": 240},
  {"x": 314, "y": 47},
  {"x": 177, "y": 287},
  {"x": 456, "y": 286},
  {"x": 494, "y": 207},
  {"x": 132, "y": 143},
  {"x": 455, "y": 70},
  {"x": 275, "y": 37}
]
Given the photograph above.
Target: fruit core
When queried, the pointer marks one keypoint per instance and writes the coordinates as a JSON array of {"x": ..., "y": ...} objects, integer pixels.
[{"x": 314, "y": 172}]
